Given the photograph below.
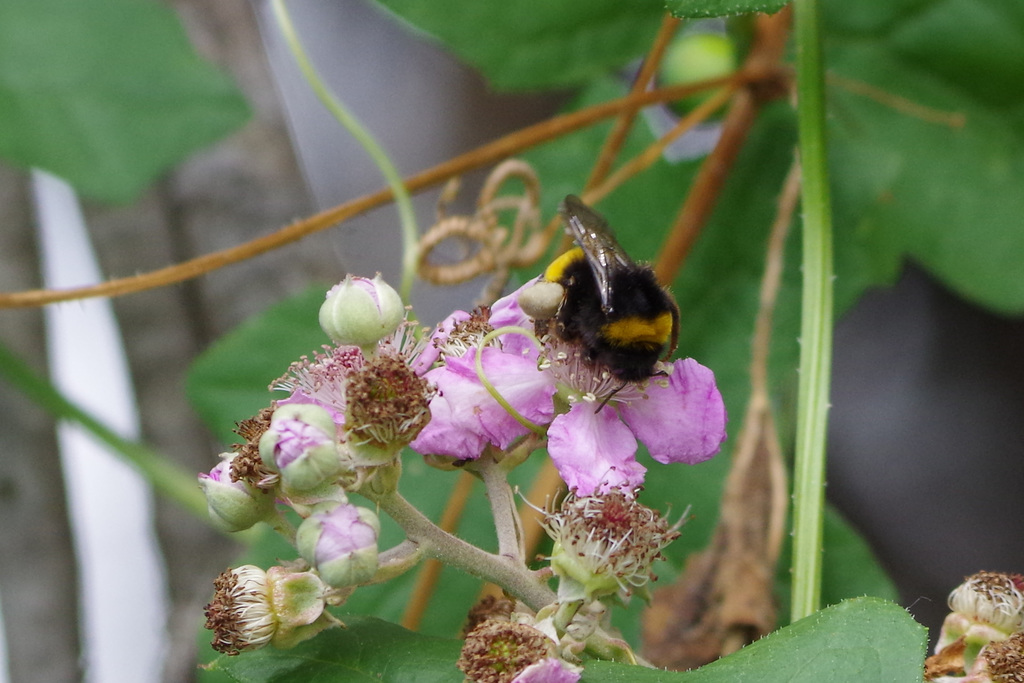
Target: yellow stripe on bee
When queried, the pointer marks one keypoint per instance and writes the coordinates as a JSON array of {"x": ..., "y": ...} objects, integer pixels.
[
  {"x": 633, "y": 330},
  {"x": 556, "y": 271}
]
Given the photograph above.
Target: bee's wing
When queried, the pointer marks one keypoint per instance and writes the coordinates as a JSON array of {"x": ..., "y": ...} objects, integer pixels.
[{"x": 591, "y": 232}]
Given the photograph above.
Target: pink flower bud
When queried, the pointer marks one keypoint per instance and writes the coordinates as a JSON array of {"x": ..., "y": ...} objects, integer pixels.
[{"x": 340, "y": 540}]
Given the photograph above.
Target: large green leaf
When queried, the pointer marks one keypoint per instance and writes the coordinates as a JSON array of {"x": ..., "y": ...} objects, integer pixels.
[
  {"x": 368, "y": 650},
  {"x": 105, "y": 93},
  {"x": 228, "y": 382},
  {"x": 538, "y": 43},
  {"x": 908, "y": 182},
  {"x": 865, "y": 639}
]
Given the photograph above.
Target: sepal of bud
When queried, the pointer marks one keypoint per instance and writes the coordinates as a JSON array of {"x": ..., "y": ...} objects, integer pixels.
[
  {"x": 340, "y": 540},
  {"x": 233, "y": 505},
  {"x": 361, "y": 311},
  {"x": 578, "y": 579},
  {"x": 300, "y": 444},
  {"x": 298, "y": 599}
]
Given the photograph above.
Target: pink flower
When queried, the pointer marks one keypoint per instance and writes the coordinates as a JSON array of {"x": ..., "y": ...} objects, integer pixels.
[
  {"x": 680, "y": 418},
  {"x": 465, "y": 417},
  {"x": 678, "y": 413}
]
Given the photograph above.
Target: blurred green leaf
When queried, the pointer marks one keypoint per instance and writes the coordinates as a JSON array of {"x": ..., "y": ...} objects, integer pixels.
[
  {"x": 538, "y": 43},
  {"x": 107, "y": 93},
  {"x": 928, "y": 139},
  {"x": 699, "y": 9},
  {"x": 228, "y": 382}
]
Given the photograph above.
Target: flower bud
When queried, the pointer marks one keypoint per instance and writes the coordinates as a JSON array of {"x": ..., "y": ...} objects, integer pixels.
[
  {"x": 233, "y": 505},
  {"x": 341, "y": 542},
  {"x": 252, "y": 608},
  {"x": 361, "y": 312},
  {"x": 300, "y": 444}
]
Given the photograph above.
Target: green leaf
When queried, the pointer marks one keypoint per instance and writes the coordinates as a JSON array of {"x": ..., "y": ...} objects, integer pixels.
[
  {"x": 860, "y": 640},
  {"x": 368, "y": 650},
  {"x": 107, "y": 93},
  {"x": 700, "y": 9},
  {"x": 538, "y": 43},
  {"x": 228, "y": 382},
  {"x": 944, "y": 192},
  {"x": 865, "y": 639}
]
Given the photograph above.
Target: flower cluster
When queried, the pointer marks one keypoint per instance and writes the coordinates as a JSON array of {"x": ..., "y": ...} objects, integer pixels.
[
  {"x": 481, "y": 384},
  {"x": 592, "y": 419}
]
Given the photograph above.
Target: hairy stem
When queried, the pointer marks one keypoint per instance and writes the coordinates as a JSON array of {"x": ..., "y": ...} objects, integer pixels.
[
  {"x": 816, "y": 324},
  {"x": 453, "y": 551}
]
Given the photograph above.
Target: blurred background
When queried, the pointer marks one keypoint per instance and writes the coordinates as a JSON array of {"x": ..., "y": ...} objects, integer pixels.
[{"x": 926, "y": 440}]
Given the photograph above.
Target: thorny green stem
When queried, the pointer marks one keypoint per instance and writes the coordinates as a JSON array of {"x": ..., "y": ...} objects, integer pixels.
[
  {"x": 816, "y": 325},
  {"x": 451, "y": 550},
  {"x": 356, "y": 129}
]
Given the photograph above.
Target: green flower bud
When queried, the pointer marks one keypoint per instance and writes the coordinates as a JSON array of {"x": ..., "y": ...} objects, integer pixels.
[
  {"x": 233, "y": 505},
  {"x": 300, "y": 444},
  {"x": 694, "y": 57},
  {"x": 360, "y": 312},
  {"x": 341, "y": 542}
]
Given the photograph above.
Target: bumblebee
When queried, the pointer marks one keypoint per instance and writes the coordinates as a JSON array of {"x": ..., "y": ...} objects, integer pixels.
[{"x": 613, "y": 308}]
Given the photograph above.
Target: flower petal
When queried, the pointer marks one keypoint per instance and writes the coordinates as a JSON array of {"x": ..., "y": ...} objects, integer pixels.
[
  {"x": 465, "y": 417},
  {"x": 550, "y": 670},
  {"x": 681, "y": 422},
  {"x": 519, "y": 382},
  {"x": 453, "y": 429},
  {"x": 594, "y": 451},
  {"x": 506, "y": 312},
  {"x": 432, "y": 350}
]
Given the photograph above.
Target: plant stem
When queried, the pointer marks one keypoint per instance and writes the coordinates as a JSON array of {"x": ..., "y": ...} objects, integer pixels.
[
  {"x": 410, "y": 235},
  {"x": 508, "y": 527},
  {"x": 816, "y": 325},
  {"x": 453, "y": 551},
  {"x": 166, "y": 478},
  {"x": 489, "y": 153}
]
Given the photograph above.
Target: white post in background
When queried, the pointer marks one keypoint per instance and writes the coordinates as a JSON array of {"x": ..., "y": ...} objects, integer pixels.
[{"x": 122, "y": 582}]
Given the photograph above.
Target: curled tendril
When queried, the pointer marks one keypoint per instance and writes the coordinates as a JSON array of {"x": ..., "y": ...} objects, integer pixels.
[{"x": 498, "y": 248}]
